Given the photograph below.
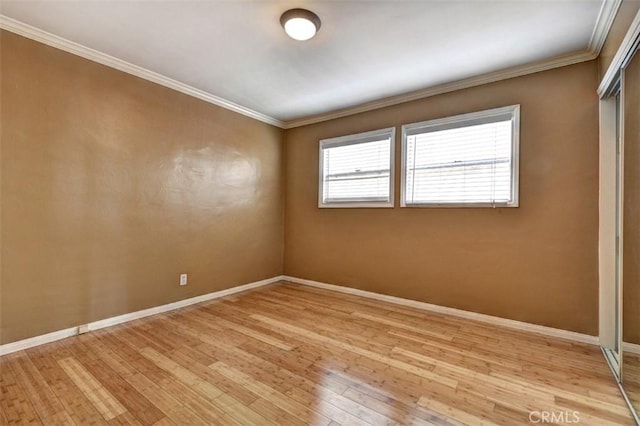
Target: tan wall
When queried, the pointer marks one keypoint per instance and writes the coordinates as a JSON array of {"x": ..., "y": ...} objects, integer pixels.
[
  {"x": 631, "y": 231},
  {"x": 536, "y": 263},
  {"x": 112, "y": 186},
  {"x": 627, "y": 11}
]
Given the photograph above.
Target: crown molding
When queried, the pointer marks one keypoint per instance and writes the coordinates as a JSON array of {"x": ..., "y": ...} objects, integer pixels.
[
  {"x": 630, "y": 42},
  {"x": 560, "y": 61},
  {"x": 601, "y": 30},
  {"x": 604, "y": 22},
  {"x": 53, "y": 40},
  {"x": 605, "y": 19}
]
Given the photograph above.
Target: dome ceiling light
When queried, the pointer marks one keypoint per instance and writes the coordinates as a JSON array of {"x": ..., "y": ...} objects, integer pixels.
[{"x": 300, "y": 24}]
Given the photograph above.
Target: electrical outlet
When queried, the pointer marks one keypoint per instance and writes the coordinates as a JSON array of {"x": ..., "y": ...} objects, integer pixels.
[
  {"x": 84, "y": 328},
  {"x": 183, "y": 279}
]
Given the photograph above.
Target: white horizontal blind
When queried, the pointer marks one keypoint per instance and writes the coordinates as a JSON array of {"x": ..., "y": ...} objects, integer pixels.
[
  {"x": 460, "y": 163},
  {"x": 357, "y": 172}
]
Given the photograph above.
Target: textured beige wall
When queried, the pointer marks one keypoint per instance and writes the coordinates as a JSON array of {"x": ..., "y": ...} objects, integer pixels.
[
  {"x": 537, "y": 263},
  {"x": 112, "y": 186}
]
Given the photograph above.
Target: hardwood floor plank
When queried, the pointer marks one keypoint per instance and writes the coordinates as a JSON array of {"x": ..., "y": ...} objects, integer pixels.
[
  {"x": 280, "y": 400},
  {"x": 134, "y": 402},
  {"x": 75, "y": 402},
  {"x": 181, "y": 373},
  {"x": 125, "y": 419},
  {"x": 100, "y": 397},
  {"x": 45, "y": 402},
  {"x": 254, "y": 334},
  {"x": 453, "y": 412},
  {"x": 226, "y": 404},
  {"x": 170, "y": 405},
  {"x": 274, "y": 413},
  {"x": 586, "y": 409},
  {"x": 363, "y": 352},
  {"x": 298, "y": 388},
  {"x": 15, "y": 403},
  {"x": 296, "y": 355},
  {"x": 166, "y": 422}
]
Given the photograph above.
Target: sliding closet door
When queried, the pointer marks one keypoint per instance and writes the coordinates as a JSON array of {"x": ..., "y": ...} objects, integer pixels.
[
  {"x": 631, "y": 231},
  {"x": 617, "y": 351},
  {"x": 610, "y": 227}
]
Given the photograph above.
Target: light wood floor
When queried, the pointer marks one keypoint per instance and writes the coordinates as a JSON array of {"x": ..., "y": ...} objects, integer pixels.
[
  {"x": 292, "y": 355},
  {"x": 631, "y": 378}
]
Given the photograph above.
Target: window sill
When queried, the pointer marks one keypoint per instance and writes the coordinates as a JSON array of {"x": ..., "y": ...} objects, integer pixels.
[
  {"x": 356, "y": 205},
  {"x": 461, "y": 205}
]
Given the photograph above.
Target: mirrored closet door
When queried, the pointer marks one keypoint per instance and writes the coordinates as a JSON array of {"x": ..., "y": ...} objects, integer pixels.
[
  {"x": 630, "y": 377},
  {"x": 619, "y": 237}
]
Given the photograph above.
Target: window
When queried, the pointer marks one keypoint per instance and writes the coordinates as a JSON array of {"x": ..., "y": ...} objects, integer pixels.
[
  {"x": 469, "y": 160},
  {"x": 357, "y": 170}
]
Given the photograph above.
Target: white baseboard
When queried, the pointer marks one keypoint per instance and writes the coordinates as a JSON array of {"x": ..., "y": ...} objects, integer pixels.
[
  {"x": 631, "y": 348},
  {"x": 517, "y": 325},
  {"x": 96, "y": 325},
  {"x": 68, "y": 332},
  {"x": 37, "y": 340}
]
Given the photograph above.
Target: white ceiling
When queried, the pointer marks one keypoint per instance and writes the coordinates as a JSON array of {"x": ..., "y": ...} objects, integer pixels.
[{"x": 365, "y": 50}]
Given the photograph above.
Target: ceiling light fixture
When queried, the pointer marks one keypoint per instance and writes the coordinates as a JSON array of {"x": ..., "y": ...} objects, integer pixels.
[{"x": 300, "y": 24}]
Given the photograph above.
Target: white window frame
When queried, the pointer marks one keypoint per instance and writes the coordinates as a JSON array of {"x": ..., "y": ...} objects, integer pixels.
[
  {"x": 511, "y": 112},
  {"x": 355, "y": 139}
]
